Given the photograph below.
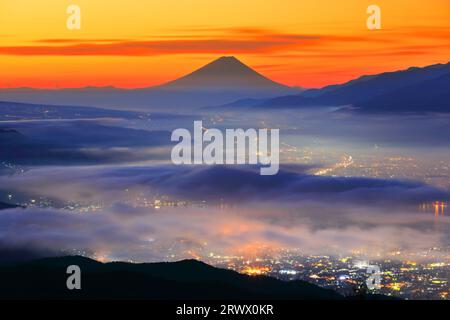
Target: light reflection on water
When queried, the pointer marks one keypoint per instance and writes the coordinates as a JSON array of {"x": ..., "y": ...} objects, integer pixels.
[{"x": 438, "y": 208}]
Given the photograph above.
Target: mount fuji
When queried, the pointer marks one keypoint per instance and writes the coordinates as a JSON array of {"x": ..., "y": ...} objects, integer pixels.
[{"x": 221, "y": 81}]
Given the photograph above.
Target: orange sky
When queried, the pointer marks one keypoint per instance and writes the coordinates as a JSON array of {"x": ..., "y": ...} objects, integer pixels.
[{"x": 137, "y": 43}]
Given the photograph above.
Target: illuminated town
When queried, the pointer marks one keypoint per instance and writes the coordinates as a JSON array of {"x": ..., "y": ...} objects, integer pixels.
[
  {"x": 417, "y": 275},
  {"x": 407, "y": 275},
  {"x": 372, "y": 164},
  {"x": 424, "y": 276}
]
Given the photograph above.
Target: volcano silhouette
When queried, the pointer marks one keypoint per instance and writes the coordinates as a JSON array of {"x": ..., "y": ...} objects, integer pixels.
[
  {"x": 225, "y": 73},
  {"x": 221, "y": 81}
]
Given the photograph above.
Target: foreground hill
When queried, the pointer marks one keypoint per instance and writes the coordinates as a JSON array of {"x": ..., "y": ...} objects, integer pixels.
[{"x": 188, "y": 279}]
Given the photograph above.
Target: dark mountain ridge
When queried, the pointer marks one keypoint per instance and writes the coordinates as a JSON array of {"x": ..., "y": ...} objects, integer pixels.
[
  {"x": 183, "y": 280},
  {"x": 187, "y": 279},
  {"x": 428, "y": 96},
  {"x": 361, "y": 91}
]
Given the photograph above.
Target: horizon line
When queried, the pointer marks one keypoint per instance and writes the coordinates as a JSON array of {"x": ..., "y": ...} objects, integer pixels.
[{"x": 150, "y": 86}]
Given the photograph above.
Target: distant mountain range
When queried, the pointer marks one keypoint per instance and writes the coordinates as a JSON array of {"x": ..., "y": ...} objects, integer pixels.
[
  {"x": 427, "y": 96},
  {"x": 223, "y": 80},
  {"x": 187, "y": 279},
  {"x": 412, "y": 90},
  {"x": 228, "y": 83}
]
